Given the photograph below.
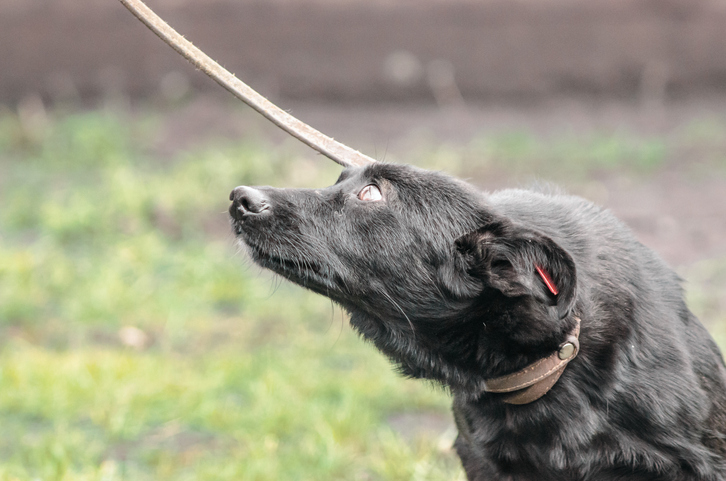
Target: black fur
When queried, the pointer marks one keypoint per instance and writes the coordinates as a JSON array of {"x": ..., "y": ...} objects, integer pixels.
[{"x": 441, "y": 278}]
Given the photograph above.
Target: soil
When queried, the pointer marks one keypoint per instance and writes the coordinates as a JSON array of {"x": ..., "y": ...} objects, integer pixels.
[{"x": 373, "y": 51}]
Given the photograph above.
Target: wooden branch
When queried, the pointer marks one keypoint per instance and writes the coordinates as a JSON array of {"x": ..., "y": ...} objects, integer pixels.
[{"x": 327, "y": 146}]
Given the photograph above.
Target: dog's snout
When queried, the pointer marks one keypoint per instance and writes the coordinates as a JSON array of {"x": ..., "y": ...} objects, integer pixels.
[{"x": 247, "y": 200}]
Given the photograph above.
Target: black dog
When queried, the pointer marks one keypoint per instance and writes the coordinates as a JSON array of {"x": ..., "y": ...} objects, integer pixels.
[{"x": 492, "y": 295}]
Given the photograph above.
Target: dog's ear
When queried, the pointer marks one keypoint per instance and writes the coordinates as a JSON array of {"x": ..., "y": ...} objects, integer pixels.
[{"x": 521, "y": 262}]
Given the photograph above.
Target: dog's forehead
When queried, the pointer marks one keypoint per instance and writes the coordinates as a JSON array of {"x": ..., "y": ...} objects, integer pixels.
[
  {"x": 422, "y": 200},
  {"x": 425, "y": 196},
  {"x": 351, "y": 175},
  {"x": 397, "y": 174},
  {"x": 367, "y": 173},
  {"x": 347, "y": 174}
]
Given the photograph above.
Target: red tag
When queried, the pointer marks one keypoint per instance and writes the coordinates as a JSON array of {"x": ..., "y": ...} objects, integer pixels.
[{"x": 547, "y": 280}]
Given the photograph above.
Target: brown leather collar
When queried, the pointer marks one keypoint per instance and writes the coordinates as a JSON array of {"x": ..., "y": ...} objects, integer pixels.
[{"x": 533, "y": 382}]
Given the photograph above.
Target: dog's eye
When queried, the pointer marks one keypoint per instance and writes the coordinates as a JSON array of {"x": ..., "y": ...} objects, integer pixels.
[{"x": 370, "y": 193}]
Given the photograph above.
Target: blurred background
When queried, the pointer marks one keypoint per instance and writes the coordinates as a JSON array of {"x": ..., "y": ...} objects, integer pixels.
[{"x": 136, "y": 339}]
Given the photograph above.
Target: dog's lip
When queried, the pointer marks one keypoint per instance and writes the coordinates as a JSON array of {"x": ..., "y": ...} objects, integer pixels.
[
  {"x": 297, "y": 268},
  {"x": 237, "y": 226},
  {"x": 308, "y": 272},
  {"x": 244, "y": 224},
  {"x": 294, "y": 266}
]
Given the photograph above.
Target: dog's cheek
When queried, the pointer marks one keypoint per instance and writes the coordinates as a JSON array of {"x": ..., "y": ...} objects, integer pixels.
[{"x": 457, "y": 282}]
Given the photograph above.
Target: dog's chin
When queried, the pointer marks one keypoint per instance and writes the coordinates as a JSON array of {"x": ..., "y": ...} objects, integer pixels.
[{"x": 309, "y": 274}]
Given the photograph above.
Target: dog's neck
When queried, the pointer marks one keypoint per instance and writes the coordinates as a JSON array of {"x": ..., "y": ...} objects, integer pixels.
[
  {"x": 535, "y": 380},
  {"x": 427, "y": 355}
]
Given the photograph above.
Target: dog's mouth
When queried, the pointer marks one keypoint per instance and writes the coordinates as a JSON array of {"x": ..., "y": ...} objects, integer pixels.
[{"x": 300, "y": 269}]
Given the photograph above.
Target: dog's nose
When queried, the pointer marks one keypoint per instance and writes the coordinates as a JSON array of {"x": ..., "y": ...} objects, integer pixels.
[{"x": 247, "y": 200}]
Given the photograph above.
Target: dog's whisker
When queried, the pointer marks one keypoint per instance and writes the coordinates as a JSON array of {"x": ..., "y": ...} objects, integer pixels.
[{"x": 413, "y": 329}]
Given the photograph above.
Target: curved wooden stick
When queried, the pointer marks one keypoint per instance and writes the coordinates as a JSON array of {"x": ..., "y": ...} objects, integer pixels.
[{"x": 330, "y": 148}]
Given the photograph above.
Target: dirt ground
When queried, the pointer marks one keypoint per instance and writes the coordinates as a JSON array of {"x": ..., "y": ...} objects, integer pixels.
[{"x": 371, "y": 51}]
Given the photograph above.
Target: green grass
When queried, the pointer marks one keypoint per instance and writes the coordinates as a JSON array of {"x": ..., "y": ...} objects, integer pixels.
[
  {"x": 237, "y": 375},
  {"x": 233, "y": 375}
]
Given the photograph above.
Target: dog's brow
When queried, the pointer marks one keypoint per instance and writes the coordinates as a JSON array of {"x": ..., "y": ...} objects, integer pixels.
[{"x": 343, "y": 175}]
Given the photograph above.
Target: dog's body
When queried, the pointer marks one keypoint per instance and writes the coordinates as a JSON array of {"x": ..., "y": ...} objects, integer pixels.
[{"x": 443, "y": 280}]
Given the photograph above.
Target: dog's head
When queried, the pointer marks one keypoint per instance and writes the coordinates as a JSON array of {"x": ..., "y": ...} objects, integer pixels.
[{"x": 410, "y": 252}]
